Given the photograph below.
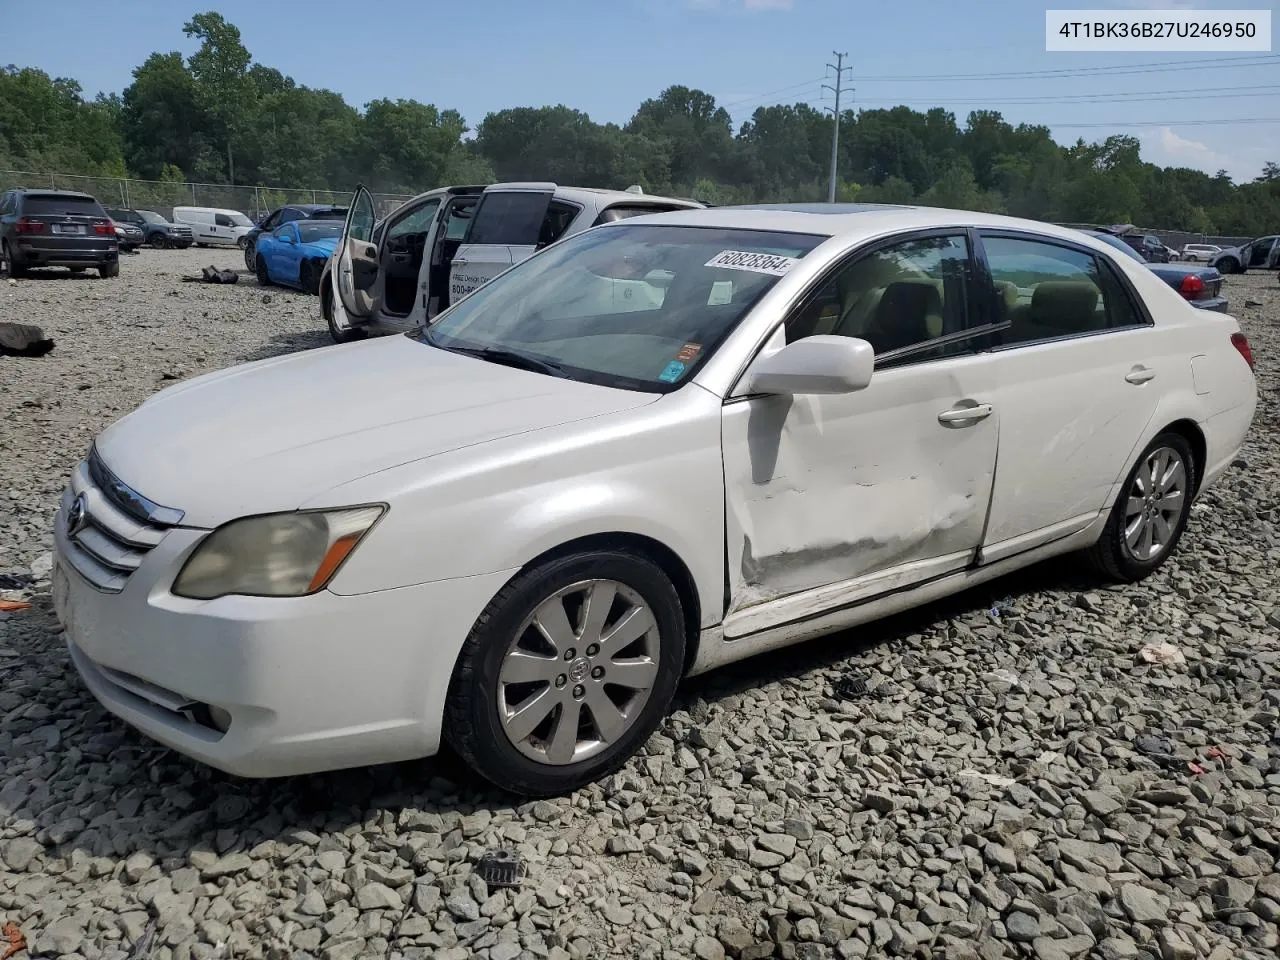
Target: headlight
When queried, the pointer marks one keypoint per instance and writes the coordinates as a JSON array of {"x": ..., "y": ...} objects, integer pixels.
[{"x": 278, "y": 555}]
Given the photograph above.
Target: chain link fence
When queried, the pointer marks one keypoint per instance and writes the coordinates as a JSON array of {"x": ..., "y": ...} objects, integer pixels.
[
  {"x": 162, "y": 196},
  {"x": 1173, "y": 239}
]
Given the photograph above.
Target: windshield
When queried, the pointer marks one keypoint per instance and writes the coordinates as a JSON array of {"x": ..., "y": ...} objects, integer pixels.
[
  {"x": 319, "y": 229},
  {"x": 1120, "y": 245},
  {"x": 150, "y": 217},
  {"x": 635, "y": 306}
]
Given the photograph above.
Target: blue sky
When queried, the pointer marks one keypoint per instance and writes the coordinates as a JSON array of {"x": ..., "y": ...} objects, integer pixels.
[{"x": 605, "y": 56}]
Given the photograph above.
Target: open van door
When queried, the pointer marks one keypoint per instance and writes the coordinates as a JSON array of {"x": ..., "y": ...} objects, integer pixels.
[
  {"x": 357, "y": 267},
  {"x": 505, "y": 229}
]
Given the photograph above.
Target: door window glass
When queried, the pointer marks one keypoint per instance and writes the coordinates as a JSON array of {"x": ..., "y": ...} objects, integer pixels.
[
  {"x": 1045, "y": 291},
  {"x": 899, "y": 299},
  {"x": 557, "y": 221},
  {"x": 222, "y": 220},
  {"x": 509, "y": 218},
  {"x": 415, "y": 221},
  {"x": 361, "y": 223}
]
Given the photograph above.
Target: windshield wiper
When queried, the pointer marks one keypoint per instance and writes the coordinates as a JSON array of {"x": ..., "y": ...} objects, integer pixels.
[{"x": 510, "y": 358}]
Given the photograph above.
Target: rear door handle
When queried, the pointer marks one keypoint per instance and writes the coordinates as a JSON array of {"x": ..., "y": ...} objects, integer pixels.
[
  {"x": 965, "y": 415},
  {"x": 1140, "y": 375}
]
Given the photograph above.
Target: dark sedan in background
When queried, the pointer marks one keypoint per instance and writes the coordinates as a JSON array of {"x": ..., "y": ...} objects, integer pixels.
[
  {"x": 286, "y": 214},
  {"x": 1200, "y": 286}
]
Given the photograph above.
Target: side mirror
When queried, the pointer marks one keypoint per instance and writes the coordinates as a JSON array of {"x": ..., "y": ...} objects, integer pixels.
[{"x": 819, "y": 364}]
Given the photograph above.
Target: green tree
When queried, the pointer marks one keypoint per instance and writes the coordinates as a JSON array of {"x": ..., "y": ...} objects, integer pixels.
[{"x": 220, "y": 69}]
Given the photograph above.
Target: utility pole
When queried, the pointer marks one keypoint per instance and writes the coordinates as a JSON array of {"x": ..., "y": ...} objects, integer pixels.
[{"x": 840, "y": 69}]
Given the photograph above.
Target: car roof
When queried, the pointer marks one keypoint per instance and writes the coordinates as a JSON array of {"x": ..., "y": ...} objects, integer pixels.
[
  {"x": 37, "y": 192},
  {"x": 847, "y": 220},
  {"x": 314, "y": 206},
  {"x": 600, "y": 196}
]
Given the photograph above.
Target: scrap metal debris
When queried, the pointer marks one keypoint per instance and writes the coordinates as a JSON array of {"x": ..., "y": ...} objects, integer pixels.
[
  {"x": 17, "y": 942},
  {"x": 16, "y": 581},
  {"x": 502, "y": 868},
  {"x": 13, "y": 606},
  {"x": 851, "y": 687},
  {"x": 214, "y": 275},
  {"x": 23, "y": 340}
]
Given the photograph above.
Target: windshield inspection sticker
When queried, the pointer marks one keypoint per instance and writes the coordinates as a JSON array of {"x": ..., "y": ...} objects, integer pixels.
[
  {"x": 688, "y": 352},
  {"x": 769, "y": 263},
  {"x": 672, "y": 372}
]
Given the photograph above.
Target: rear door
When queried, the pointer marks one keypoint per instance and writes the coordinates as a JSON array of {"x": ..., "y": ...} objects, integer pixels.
[
  {"x": 357, "y": 271},
  {"x": 508, "y": 219},
  {"x": 448, "y": 231}
]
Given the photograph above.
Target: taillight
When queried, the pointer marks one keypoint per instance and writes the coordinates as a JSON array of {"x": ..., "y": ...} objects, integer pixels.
[
  {"x": 1192, "y": 286},
  {"x": 1241, "y": 343},
  {"x": 105, "y": 229},
  {"x": 27, "y": 225}
]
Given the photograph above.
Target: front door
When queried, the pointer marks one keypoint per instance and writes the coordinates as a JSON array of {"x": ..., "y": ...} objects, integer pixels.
[
  {"x": 832, "y": 499},
  {"x": 1078, "y": 373},
  {"x": 357, "y": 271},
  {"x": 402, "y": 246}
]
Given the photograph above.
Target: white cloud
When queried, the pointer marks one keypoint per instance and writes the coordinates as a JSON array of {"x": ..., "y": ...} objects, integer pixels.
[{"x": 1169, "y": 149}]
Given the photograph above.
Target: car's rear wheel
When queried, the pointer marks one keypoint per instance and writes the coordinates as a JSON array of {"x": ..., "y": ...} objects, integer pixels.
[
  {"x": 567, "y": 672},
  {"x": 1150, "y": 512},
  {"x": 108, "y": 270},
  {"x": 8, "y": 266}
]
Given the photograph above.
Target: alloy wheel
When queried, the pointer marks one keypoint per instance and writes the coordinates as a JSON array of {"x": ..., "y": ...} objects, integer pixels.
[
  {"x": 1156, "y": 499},
  {"x": 578, "y": 672}
]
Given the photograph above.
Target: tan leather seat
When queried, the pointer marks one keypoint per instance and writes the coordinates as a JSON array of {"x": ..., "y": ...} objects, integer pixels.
[
  {"x": 1059, "y": 308},
  {"x": 907, "y": 313}
]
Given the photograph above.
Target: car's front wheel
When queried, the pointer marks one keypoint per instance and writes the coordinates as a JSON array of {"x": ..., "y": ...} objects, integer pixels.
[
  {"x": 567, "y": 672},
  {"x": 242, "y": 243},
  {"x": 1229, "y": 265},
  {"x": 250, "y": 256},
  {"x": 1150, "y": 512},
  {"x": 264, "y": 278},
  {"x": 340, "y": 332}
]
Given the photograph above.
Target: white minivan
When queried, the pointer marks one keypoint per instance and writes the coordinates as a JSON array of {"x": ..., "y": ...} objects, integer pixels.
[{"x": 214, "y": 226}]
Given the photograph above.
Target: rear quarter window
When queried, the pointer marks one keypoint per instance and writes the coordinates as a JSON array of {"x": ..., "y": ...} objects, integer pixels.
[{"x": 46, "y": 205}]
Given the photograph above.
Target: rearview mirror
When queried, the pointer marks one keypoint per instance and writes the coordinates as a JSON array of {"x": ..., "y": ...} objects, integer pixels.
[{"x": 819, "y": 364}]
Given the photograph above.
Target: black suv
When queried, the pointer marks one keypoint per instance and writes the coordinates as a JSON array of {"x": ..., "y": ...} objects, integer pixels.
[
  {"x": 56, "y": 228},
  {"x": 282, "y": 215},
  {"x": 156, "y": 230}
]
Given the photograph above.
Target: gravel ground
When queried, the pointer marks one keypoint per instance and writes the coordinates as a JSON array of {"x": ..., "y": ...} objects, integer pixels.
[{"x": 1014, "y": 782}]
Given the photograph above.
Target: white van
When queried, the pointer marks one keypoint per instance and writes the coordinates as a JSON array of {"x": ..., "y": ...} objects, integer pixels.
[{"x": 213, "y": 226}]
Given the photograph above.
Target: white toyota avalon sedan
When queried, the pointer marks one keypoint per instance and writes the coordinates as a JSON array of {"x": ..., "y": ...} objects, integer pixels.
[{"x": 653, "y": 448}]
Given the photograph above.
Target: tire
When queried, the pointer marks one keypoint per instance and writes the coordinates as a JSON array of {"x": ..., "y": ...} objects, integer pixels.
[
  {"x": 1230, "y": 265},
  {"x": 251, "y": 256},
  {"x": 308, "y": 281},
  {"x": 108, "y": 270},
  {"x": 264, "y": 278},
  {"x": 1117, "y": 555},
  {"x": 8, "y": 266},
  {"x": 242, "y": 243},
  {"x": 610, "y": 720},
  {"x": 339, "y": 334}
]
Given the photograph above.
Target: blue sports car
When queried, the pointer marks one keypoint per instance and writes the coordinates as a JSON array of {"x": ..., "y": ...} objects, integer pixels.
[{"x": 294, "y": 254}]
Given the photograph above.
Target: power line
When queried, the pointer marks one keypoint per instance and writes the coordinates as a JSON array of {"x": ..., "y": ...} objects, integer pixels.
[
  {"x": 1159, "y": 66},
  {"x": 762, "y": 96},
  {"x": 1082, "y": 99}
]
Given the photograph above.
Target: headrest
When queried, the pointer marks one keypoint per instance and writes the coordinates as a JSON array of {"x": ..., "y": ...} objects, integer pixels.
[{"x": 1065, "y": 304}]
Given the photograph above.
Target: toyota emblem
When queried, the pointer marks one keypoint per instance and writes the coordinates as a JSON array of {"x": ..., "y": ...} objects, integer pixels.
[{"x": 76, "y": 516}]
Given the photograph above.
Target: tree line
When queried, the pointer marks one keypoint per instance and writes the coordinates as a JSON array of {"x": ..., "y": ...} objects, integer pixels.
[{"x": 220, "y": 117}]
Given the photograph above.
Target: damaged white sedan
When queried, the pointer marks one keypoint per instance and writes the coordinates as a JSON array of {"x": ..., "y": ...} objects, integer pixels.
[{"x": 653, "y": 448}]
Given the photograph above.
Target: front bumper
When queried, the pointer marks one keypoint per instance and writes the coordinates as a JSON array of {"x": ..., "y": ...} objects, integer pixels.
[{"x": 266, "y": 687}]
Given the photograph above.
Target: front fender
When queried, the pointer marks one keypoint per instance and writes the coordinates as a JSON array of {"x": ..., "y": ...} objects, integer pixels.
[{"x": 655, "y": 471}]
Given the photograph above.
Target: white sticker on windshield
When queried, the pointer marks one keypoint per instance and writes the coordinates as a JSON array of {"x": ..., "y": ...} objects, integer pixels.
[{"x": 768, "y": 263}]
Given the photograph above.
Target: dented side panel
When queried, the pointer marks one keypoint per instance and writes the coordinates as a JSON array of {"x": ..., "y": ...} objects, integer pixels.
[{"x": 824, "y": 490}]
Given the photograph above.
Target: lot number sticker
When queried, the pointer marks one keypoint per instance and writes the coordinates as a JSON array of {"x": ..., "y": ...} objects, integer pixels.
[{"x": 769, "y": 263}]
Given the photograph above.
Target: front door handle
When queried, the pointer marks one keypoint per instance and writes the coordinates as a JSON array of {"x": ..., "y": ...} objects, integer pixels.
[
  {"x": 1140, "y": 375},
  {"x": 965, "y": 415}
]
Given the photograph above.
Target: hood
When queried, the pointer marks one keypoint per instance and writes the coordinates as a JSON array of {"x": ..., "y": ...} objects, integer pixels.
[
  {"x": 325, "y": 246},
  {"x": 271, "y": 435}
]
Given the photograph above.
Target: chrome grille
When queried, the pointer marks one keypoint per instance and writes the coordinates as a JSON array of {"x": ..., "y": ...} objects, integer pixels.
[{"x": 113, "y": 527}]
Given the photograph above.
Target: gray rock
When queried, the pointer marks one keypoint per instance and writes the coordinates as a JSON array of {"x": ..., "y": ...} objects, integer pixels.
[
  {"x": 780, "y": 843},
  {"x": 708, "y": 948},
  {"x": 60, "y": 937},
  {"x": 20, "y": 852},
  {"x": 462, "y": 906},
  {"x": 1143, "y": 905},
  {"x": 377, "y": 896},
  {"x": 1022, "y": 927}
]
